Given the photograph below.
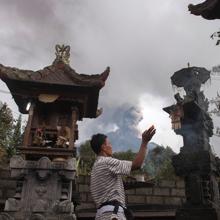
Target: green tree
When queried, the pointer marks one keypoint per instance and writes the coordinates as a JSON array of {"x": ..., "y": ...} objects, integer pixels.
[
  {"x": 10, "y": 133},
  {"x": 128, "y": 155},
  {"x": 124, "y": 155},
  {"x": 86, "y": 158},
  {"x": 6, "y": 126},
  {"x": 166, "y": 171},
  {"x": 158, "y": 163},
  {"x": 16, "y": 137}
]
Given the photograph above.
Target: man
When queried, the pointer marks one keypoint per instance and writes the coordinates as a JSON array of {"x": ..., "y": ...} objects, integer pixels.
[{"x": 106, "y": 177}]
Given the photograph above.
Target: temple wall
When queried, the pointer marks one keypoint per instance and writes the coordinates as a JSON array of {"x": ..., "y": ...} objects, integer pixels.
[
  {"x": 164, "y": 197},
  {"x": 166, "y": 192},
  {"x": 7, "y": 186}
]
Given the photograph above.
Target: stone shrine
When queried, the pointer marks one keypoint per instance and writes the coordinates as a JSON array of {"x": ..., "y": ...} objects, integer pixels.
[
  {"x": 195, "y": 163},
  {"x": 54, "y": 98}
]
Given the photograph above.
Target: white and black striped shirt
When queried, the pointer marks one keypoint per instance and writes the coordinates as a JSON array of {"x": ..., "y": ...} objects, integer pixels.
[{"x": 106, "y": 179}]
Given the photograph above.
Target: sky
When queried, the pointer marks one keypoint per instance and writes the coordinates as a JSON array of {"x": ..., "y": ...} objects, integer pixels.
[{"x": 143, "y": 42}]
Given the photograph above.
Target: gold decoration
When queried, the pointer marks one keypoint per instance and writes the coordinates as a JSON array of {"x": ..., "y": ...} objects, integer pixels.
[
  {"x": 47, "y": 98},
  {"x": 176, "y": 115},
  {"x": 63, "y": 53}
]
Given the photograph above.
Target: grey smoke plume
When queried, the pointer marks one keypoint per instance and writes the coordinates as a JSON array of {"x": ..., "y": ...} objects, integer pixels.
[
  {"x": 127, "y": 135},
  {"x": 144, "y": 43},
  {"x": 119, "y": 124}
]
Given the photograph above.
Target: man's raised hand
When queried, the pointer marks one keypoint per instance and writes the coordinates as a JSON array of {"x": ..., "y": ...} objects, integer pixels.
[{"x": 148, "y": 134}]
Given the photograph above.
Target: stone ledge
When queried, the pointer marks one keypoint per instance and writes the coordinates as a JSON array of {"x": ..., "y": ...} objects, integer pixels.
[
  {"x": 178, "y": 192},
  {"x": 180, "y": 184},
  {"x": 161, "y": 191},
  {"x": 167, "y": 183},
  {"x": 155, "y": 200},
  {"x": 135, "y": 199},
  {"x": 144, "y": 191},
  {"x": 173, "y": 201}
]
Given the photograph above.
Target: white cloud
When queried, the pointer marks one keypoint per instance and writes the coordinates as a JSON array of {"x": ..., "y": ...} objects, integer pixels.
[
  {"x": 144, "y": 43},
  {"x": 153, "y": 114}
]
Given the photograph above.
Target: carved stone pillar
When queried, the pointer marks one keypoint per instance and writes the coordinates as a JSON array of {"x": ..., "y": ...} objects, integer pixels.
[
  {"x": 44, "y": 190},
  {"x": 195, "y": 162}
]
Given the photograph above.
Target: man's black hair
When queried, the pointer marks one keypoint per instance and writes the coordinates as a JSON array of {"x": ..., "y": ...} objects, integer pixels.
[{"x": 96, "y": 142}]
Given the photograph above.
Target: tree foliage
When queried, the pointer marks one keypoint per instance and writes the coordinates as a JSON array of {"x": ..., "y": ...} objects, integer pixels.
[
  {"x": 10, "y": 133},
  {"x": 124, "y": 155},
  {"x": 158, "y": 163},
  {"x": 6, "y": 126},
  {"x": 86, "y": 158}
]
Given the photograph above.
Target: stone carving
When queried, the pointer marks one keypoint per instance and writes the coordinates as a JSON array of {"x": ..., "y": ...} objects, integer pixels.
[
  {"x": 6, "y": 216},
  {"x": 195, "y": 162},
  {"x": 44, "y": 166},
  {"x": 12, "y": 205},
  {"x": 63, "y": 53},
  {"x": 42, "y": 183},
  {"x": 17, "y": 162},
  {"x": 37, "y": 217},
  {"x": 63, "y": 207}
]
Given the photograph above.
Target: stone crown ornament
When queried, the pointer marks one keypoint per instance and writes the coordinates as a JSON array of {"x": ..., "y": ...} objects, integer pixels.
[{"x": 63, "y": 53}]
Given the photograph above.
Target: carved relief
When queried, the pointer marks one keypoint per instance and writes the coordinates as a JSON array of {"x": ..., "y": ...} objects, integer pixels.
[
  {"x": 41, "y": 204},
  {"x": 6, "y": 216},
  {"x": 37, "y": 217}
]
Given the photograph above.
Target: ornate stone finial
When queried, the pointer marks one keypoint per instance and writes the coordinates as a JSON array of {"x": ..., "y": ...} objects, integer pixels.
[{"x": 63, "y": 53}]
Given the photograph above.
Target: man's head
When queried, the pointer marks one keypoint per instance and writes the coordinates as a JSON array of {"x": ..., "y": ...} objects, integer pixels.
[{"x": 101, "y": 145}]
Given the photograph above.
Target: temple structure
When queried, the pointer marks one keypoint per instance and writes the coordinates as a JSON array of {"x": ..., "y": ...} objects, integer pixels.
[
  {"x": 195, "y": 163},
  {"x": 54, "y": 98}
]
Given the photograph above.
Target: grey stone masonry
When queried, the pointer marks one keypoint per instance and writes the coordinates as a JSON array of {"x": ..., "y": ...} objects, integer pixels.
[
  {"x": 165, "y": 192},
  {"x": 42, "y": 190}
]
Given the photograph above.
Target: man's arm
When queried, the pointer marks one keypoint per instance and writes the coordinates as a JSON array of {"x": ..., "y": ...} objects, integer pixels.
[{"x": 139, "y": 158}]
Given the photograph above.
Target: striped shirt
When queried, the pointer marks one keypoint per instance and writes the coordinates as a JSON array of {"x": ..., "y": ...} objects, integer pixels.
[{"x": 106, "y": 179}]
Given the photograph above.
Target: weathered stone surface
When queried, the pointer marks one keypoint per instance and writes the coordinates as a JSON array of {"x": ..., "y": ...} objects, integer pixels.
[
  {"x": 10, "y": 193},
  {"x": 144, "y": 191},
  {"x": 4, "y": 173},
  {"x": 136, "y": 199},
  {"x": 178, "y": 192},
  {"x": 195, "y": 163},
  {"x": 89, "y": 197},
  {"x": 7, "y": 184},
  {"x": 156, "y": 200},
  {"x": 44, "y": 190},
  {"x": 84, "y": 188},
  {"x": 167, "y": 183},
  {"x": 162, "y": 191},
  {"x": 83, "y": 197},
  {"x": 130, "y": 191},
  {"x": 87, "y": 180},
  {"x": 85, "y": 206},
  {"x": 180, "y": 184},
  {"x": 81, "y": 179},
  {"x": 172, "y": 201},
  {"x": 6, "y": 216}
]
